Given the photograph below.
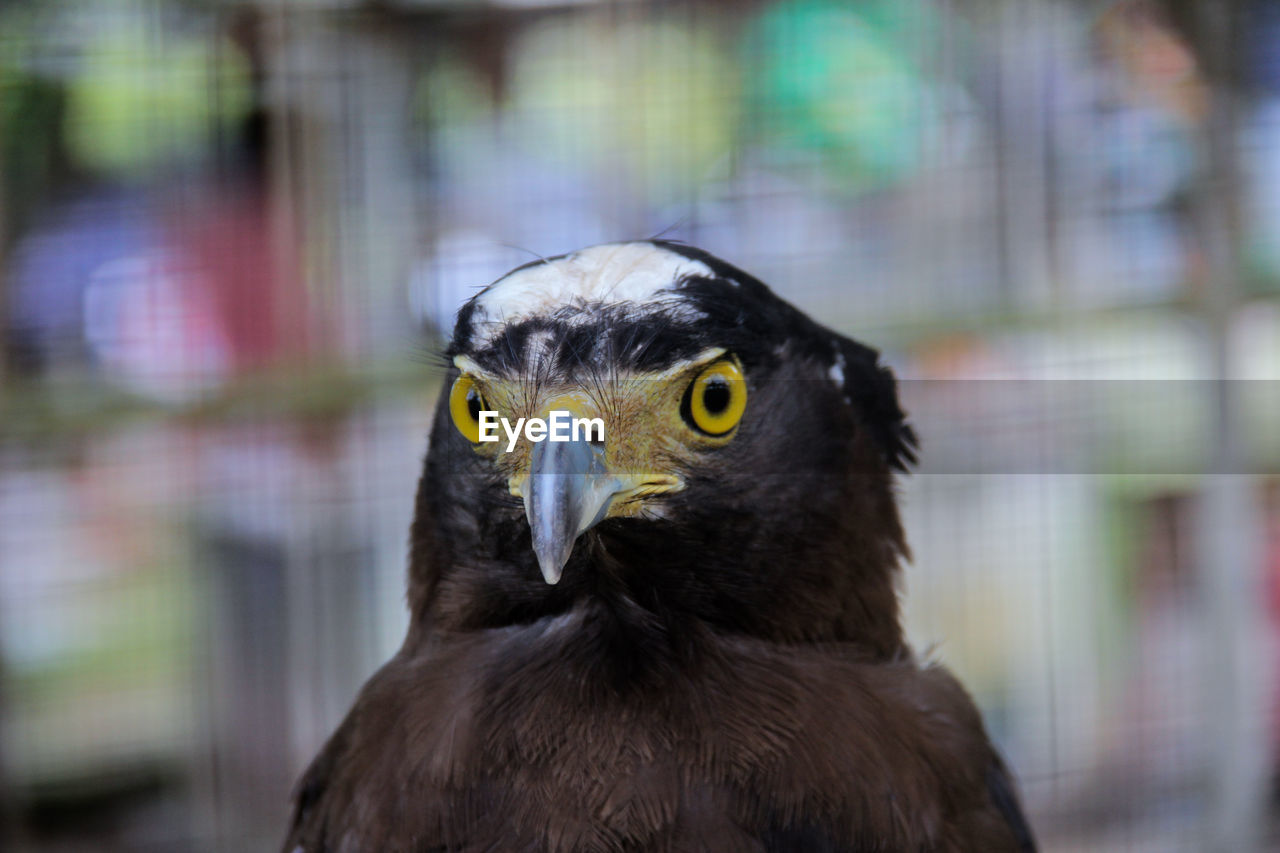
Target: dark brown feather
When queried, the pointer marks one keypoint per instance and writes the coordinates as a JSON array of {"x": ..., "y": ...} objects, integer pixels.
[{"x": 513, "y": 739}]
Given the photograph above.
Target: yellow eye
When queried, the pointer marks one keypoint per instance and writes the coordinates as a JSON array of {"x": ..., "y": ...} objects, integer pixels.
[
  {"x": 465, "y": 404},
  {"x": 716, "y": 399}
]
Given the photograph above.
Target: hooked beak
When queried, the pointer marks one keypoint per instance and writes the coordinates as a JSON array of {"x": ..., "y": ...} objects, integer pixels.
[{"x": 567, "y": 491}]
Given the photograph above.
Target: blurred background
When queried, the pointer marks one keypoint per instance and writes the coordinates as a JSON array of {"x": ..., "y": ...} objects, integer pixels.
[{"x": 231, "y": 234}]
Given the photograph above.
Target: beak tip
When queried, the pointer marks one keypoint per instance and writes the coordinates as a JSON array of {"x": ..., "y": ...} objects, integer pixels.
[
  {"x": 551, "y": 566},
  {"x": 552, "y": 562}
]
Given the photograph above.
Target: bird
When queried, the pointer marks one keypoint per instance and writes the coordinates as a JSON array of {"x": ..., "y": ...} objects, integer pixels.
[{"x": 680, "y": 632}]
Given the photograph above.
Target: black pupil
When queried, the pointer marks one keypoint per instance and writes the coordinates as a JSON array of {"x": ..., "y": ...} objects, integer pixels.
[
  {"x": 715, "y": 396},
  {"x": 473, "y": 404}
]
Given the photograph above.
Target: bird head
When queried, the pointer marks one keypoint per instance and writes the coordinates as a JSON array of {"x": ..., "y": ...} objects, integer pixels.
[{"x": 722, "y": 457}]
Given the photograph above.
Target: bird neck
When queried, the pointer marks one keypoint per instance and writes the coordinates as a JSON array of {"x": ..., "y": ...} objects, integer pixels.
[{"x": 832, "y": 580}]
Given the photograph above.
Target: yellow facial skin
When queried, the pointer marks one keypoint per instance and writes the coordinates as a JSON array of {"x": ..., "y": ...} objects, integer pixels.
[{"x": 648, "y": 442}]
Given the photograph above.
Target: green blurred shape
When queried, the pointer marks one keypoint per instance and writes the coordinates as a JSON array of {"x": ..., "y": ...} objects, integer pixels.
[
  {"x": 653, "y": 101},
  {"x": 841, "y": 85},
  {"x": 143, "y": 100},
  {"x": 450, "y": 93},
  {"x": 31, "y": 161}
]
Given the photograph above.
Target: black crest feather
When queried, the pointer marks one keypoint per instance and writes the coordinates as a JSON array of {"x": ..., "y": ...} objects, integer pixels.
[{"x": 873, "y": 389}]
